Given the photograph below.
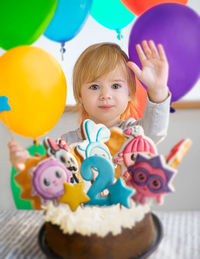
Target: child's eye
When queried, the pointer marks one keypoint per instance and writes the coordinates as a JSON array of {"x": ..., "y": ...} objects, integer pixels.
[
  {"x": 94, "y": 87},
  {"x": 116, "y": 86}
]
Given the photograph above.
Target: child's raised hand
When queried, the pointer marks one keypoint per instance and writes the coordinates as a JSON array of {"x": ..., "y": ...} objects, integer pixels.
[
  {"x": 154, "y": 73},
  {"x": 18, "y": 155}
]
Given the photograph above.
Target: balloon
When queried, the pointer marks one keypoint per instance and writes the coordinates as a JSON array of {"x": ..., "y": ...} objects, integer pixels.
[
  {"x": 141, "y": 97},
  {"x": 177, "y": 27},
  {"x": 111, "y": 14},
  {"x": 22, "y": 22},
  {"x": 136, "y": 111},
  {"x": 16, "y": 188},
  {"x": 138, "y": 7},
  {"x": 35, "y": 84},
  {"x": 68, "y": 19}
]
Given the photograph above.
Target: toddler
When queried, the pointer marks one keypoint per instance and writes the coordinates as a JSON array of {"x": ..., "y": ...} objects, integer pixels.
[{"x": 104, "y": 88}]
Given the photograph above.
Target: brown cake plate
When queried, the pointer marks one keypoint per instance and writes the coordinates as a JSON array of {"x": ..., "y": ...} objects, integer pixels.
[{"x": 158, "y": 230}]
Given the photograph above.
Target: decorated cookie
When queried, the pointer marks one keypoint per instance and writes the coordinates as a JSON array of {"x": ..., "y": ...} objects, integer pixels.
[
  {"x": 95, "y": 136},
  {"x": 114, "y": 144},
  {"x": 62, "y": 151},
  {"x": 136, "y": 143},
  {"x": 48, "y": 179},
  {"x": 178, "y": 152},
  {"x": 151, "y": 178},
  {"x": 117, "y": 191},
  {"x": 74, "y": 195},
  {"x": 23, "y": 179}
]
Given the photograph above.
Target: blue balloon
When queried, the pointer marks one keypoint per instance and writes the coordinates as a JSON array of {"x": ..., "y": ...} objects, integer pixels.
[
  {"x": 68, "y": 19},
  {"x": 111, "y": 14}
]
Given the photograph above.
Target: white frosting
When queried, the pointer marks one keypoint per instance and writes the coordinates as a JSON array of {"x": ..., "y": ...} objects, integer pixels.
[{"x": 89, "y": 220}]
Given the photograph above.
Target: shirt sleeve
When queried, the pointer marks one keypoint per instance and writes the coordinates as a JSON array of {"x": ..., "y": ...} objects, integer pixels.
[
  {"x": 73, "y": 136},
  {"x": 155, "y": 120}
]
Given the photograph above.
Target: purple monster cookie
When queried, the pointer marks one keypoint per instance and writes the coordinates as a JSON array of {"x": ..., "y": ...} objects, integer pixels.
[{"x": 151, "y": 177}]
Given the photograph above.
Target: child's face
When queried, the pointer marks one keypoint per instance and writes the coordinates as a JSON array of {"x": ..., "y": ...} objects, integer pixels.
[{"x": 106, "y": 99}]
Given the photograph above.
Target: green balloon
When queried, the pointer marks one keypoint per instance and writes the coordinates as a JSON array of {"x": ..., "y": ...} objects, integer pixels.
[
  {"x": 16, "y": 189},
  {"x": 111, "y": 14},
  {"x": 23, "y": 21}
]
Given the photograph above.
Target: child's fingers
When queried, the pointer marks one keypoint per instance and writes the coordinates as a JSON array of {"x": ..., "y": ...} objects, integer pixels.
[
  {"x": 136, "y": 70},
  {"x": 12, "y": 144},
  {"x": 21, "y": 154},
  {"x": 146, "y": 48},
  {"x": 140, "y": 53},
  {"x": 18, "y": 161},
  {"x": 162, "y": 52},
  {"x": 153, "y": 49},
  {"x": 15, "y": 149}
]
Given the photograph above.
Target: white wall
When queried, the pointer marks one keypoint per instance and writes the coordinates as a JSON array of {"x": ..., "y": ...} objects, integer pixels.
[{"x": 184, "y": 123}]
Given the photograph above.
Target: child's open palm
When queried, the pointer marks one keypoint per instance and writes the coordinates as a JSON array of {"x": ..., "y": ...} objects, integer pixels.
[{"x": 154, "y": 73}]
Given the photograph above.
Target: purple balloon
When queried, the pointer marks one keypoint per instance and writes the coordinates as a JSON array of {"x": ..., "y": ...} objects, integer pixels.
[{"x": 177, "y": 27}]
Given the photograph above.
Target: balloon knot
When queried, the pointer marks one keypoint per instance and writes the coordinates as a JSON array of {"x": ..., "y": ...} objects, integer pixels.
[
  {"x": 172, "y": 110},
  {"x": 119, "y": 34},
  {"x": 35, "y": 142},
  {"x": 62, "y": 50}
]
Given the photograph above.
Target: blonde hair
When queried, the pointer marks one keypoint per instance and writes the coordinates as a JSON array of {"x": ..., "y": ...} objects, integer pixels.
[{"x": 96, "y": 61}]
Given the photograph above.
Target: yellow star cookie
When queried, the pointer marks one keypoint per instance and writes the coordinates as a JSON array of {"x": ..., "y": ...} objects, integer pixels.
[{"x": 74, "y": 195}]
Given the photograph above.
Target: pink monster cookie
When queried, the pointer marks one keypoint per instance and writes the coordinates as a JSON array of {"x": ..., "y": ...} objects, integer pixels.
[
  {"x": 136, "y": 143},
  {"x": 151, "y": 177},
  {"x": 48, "y": 179}
]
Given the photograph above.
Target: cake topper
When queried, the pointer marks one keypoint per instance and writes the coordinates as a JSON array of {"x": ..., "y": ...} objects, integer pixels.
[
  {"x": 151, "y": 177},
  {"x": 178, "y": 152},
  {"x": 74, "y": 195},
  {"x": 136, "y": 143},
  {"x": 96, "y": 135},
  {"x": 48, "y": 178},
  {"x": 62, "y": 151},
  {"x": 118, "y": 192}
]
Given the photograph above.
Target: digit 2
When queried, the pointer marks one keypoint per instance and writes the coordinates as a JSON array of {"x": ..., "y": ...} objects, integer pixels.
[{"x": 104, "y": 178}]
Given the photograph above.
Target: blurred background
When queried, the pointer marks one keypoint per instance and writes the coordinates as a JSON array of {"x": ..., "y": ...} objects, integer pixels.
[{"x": 184, "y": 123}]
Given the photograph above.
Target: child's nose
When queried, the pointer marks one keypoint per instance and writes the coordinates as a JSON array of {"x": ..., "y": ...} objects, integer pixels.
[{"x": 105, "y": 94}]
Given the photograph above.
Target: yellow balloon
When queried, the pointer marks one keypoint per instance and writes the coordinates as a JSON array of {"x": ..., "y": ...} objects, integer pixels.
[{"x": 35, "y": 84}]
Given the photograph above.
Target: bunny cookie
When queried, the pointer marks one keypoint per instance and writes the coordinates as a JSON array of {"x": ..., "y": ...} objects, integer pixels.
[{"x": 95, "y": 136}]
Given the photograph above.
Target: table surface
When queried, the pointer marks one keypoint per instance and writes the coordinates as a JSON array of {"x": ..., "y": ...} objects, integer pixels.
[{"x": 19, "y": 235}]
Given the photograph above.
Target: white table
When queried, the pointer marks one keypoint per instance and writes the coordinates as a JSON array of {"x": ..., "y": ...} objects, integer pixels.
[{"x": 19, "y": 235}]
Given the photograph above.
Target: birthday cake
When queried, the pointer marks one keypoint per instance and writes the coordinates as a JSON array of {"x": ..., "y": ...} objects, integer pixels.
[
  {"x": 99, "y": 232},
  {"x": 97, "y": 195}
]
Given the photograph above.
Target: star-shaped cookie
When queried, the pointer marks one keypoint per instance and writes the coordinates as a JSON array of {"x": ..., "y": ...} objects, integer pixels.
[{"x": 74, "y": 195}]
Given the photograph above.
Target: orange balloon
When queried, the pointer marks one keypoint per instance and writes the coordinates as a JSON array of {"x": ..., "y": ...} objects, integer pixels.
[
  {"x": 36, "y": 88},
  {"x": 138, "y": 7},
  {"x": 136, "y": 111},
  {"x": 141, "y": 97}
]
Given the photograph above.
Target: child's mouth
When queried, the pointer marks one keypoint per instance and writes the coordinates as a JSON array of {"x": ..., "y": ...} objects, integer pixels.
[{"x": 105, "y": 107}]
